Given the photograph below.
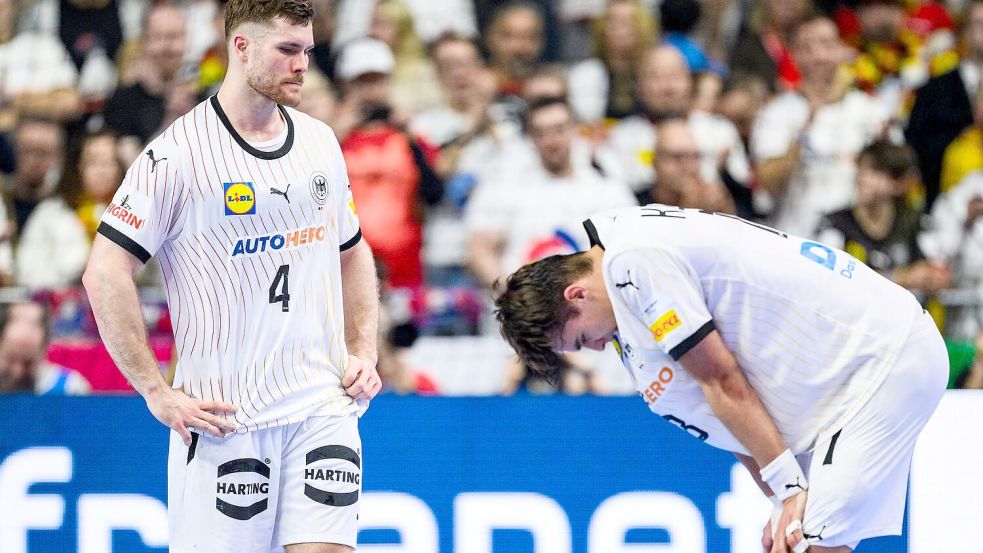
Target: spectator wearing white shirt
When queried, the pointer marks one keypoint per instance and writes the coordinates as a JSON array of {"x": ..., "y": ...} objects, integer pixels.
[
  {"x": 54, "y": 243},
  {"x": 468, "y": 90},
  {"x": 604, "y": 86},
  {"x": 956, "y": 239},
  {"x": 677, "y": 162},
  {"x": 37, "y": 76},
  {"x": 665, "y": 90},
  {"x": 804, "y": 143},
  {"x": 39, "y": 146},
  {"x": 512, "y": 222}
]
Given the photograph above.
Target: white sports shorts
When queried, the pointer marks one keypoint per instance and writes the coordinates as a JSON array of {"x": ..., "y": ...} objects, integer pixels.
[
  {"x": 858, "y": 474},
  {"x": 255, "y": 492}
]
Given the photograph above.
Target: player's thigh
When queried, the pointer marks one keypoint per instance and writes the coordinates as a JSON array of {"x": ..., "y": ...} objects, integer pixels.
[
  {"x": 222, "y": 493},
  {"x": 320, "y": 484},
  {"x": 858, "y": 475},
  {"x": 821, "y": 549}
]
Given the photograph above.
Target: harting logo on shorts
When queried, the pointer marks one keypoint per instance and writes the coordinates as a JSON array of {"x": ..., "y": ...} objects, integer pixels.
[
  {"x": 240, "y": 482},
  {"x": 252, "y": 245},
  {"x": 240, "y": 198},
  {"x": 668, "y": 322},
  {"x": 333, "y": 471}
]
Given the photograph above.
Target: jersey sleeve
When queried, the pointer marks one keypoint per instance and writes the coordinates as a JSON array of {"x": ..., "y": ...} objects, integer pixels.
[
  {"x": 664, "y": 292},
  {"x": 347, "y": 216},
  {"x": 148, "y": 206}
]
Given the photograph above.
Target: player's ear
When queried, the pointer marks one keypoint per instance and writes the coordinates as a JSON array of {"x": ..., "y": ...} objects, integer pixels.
[
  {"x": 574, "y": 292},
  {"x": 240, "y": 46}
]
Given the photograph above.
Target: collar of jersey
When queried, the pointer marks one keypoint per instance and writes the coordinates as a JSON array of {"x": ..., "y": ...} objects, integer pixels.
[{"x": 256, "y": 152}]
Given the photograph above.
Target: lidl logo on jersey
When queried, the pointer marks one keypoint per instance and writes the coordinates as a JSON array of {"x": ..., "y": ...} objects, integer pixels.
[
  {"x": 240, "y": 198},
  {"x": 668, "y": 322},
  {"x": 253, "y": 245}
]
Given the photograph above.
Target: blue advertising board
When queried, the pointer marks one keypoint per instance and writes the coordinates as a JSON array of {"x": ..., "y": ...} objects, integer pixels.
[{"x": 518, "y": 474}]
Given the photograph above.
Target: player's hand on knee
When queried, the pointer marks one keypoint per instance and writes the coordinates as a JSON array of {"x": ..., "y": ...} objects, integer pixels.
[
  {"x": 788, "y": 535},
  {"x": 361, "y": 380},
  {"x": 181, "y": 413}
]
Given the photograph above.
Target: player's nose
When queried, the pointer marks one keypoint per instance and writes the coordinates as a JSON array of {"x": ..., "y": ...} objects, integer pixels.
[{"x": 596, "y": 345}]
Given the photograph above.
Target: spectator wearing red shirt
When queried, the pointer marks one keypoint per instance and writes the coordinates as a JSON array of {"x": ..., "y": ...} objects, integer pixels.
[{"x": 390, "y": 172}]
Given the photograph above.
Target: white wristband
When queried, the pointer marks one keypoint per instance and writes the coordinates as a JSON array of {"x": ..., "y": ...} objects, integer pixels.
[{"x": 784, "y": 476}]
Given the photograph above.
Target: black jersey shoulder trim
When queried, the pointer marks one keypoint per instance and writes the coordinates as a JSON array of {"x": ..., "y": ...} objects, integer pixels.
[
  {"x": 689, "y": 343},
  {"x": 124, "y": 242},
  {"x": 351, "y": 243}
]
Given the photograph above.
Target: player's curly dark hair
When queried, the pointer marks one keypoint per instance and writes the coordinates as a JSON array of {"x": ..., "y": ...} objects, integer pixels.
[
  {"x": 237, "y": 12},
  {"x": 532, "y": 310}
]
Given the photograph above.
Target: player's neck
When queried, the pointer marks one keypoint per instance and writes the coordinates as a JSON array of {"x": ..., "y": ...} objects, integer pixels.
[{"x": 254, "y": 116}]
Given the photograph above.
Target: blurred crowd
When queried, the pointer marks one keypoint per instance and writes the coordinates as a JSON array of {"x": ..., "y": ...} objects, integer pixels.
[{"x": 478, "y": 134}]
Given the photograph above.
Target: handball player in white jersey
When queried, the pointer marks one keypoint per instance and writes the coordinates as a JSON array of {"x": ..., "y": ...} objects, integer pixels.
[
  {"x": 814, "y": 370},
  {"x": 272, "y": 295}
]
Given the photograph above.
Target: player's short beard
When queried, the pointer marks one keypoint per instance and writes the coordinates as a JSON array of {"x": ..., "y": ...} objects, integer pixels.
[{"x": 269, "y": 86}]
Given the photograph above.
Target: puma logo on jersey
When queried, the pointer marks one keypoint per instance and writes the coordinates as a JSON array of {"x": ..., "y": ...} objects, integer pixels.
[
  {"x": 818, "y": 536},
  {"x": 796, "y": 485},
  {"x": 626, "y": 283},
  {"x": 125, "y": 204},
  {"x": 277, "y": 192},
  {"x": 154, "y": 162}
]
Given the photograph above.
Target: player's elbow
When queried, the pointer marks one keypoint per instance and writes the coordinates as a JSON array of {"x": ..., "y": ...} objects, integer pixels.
[
  {"x": 98, "y": 280},
  {"x": 92, "y": 278}
]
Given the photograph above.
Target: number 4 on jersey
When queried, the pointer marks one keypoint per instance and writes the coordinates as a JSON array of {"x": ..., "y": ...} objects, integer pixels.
[{"x": 283, "y": 273}]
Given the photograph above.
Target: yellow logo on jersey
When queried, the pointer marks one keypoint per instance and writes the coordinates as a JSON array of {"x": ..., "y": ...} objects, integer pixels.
[
  {"x": 351, "y": 206},
  {"x": 240, "y": 198},
  {"x": 668, "y": 322}
]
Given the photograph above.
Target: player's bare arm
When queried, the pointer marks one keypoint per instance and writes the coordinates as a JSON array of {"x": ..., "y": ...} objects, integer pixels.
[
  {"x": 360, "y": 290},
  {"x": 108, "y": 280},
  {"x": 738, "y": 406}
]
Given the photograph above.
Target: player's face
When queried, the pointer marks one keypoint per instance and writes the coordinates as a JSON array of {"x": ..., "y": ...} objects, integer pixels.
[
  {"x": 591, "y": 326},
  {"x": 277, "y": 68}
]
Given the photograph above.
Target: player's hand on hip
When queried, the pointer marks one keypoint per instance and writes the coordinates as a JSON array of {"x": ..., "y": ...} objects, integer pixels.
[
  {"x": 788, "y": 535},
  {"x": 361, "y": 380},
  {"x": 181, "y": 413}
]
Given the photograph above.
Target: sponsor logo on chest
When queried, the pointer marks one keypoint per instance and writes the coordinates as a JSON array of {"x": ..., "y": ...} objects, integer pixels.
[
  {"x": 253, "y": 245},
  {"x": 240, "y": 198}
]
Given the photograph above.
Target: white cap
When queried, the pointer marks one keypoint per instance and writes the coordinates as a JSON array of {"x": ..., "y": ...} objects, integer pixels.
[{"x": 362, "y": 56}]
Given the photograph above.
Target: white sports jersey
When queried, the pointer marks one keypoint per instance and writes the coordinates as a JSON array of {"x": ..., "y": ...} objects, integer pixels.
[
  {"x": 814, "y": 330},
  {"x": 249, "y": 244}
]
